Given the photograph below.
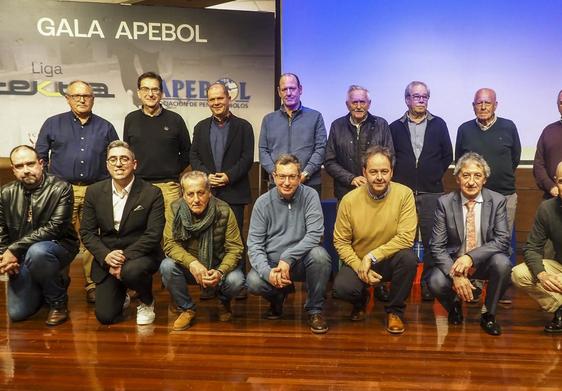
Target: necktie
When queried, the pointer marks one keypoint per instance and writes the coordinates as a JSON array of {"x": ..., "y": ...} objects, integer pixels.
[{"x": 470, "y": 226}]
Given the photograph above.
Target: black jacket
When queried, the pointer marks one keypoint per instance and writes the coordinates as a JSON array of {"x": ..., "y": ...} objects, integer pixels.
[
  {"x": 237, "y": 159},
  {"x": 426, "y": 174},
  {"x": 345, "y": 149},
  {"x": 140, "y": 230},
  {"x": 51, "y": 210}
]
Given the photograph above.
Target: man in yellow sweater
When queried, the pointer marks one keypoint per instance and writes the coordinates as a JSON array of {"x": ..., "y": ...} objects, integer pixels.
[{"x": 374, "y": 234}]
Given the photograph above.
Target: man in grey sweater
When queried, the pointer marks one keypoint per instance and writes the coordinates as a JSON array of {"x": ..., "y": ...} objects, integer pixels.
[{"x": 284, "y": 244}]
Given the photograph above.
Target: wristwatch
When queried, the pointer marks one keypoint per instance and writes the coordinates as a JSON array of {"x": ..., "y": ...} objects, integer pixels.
[{"x": 374, "y": 260}]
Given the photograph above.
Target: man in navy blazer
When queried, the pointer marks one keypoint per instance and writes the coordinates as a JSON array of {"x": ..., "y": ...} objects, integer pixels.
[
  {"x": 223, "y": 148},
  {"x": 470, "y": 240},
  {"x": 122, "y": 227}
]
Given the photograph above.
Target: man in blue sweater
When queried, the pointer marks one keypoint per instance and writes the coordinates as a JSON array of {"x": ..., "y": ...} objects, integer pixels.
[
  {"x": 284, "y": 244},
  {"x": 294, "y": 129},
  {"x": 423, "y": 153}
]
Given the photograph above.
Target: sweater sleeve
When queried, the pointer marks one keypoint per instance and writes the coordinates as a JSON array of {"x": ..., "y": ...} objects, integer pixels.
[
  {"x": 533, "y": 251},
  {"x": 317, "y": 159},
  {"x": 257, "y": 236},
  {"x": 544, "y": 182},
  {"x": 266, "y": 160},
  {"x": 343, "y": 236}
]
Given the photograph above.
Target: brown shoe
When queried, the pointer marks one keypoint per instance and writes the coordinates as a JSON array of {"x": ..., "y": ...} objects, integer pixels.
[
  {"x": 318, "y": 324},
  {"x": 357, "y": 314},
  {"x": 225, "y": 312},
  {"x": 91, "y": 295},
  {"x": 184, "y": 320},
  {"x": 394, "y": 324},
  {"x": 58, "y": 314}
]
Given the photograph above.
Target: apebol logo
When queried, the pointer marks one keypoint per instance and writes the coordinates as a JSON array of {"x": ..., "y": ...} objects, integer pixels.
[{"x": 193, "y": 93}]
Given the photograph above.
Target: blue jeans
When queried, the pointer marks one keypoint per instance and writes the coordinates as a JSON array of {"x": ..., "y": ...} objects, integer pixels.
[
  {"x": 175, "y": 278},
  {"x": 315, "y": 267},
  {"x": 39, "y": 279}
]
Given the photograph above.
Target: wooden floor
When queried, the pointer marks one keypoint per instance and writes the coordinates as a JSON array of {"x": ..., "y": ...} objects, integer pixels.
[{"x": 255, "y": 354}]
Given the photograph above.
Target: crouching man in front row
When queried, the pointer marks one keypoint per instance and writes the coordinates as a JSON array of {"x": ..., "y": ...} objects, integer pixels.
[{"x": 203, "y": 245}]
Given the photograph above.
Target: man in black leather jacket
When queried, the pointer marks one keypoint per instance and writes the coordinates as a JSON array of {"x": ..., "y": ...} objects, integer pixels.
[{"x": 37, "y": 240}]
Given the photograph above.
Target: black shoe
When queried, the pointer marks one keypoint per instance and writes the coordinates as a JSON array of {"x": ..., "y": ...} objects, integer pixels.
[
  {"x": 381, "y": 294},
  {"x": 318, "y": 324},
  {"x": 455, "y": 314},
  {"x": 58, "y": 314},
  {"x": 275, "y": 309},
  {"x": 489, "y": 324},
  {"x": 426, "y": 293},
  {"x": 357, "y": 313},
  {"x": 555, "y": 325}
]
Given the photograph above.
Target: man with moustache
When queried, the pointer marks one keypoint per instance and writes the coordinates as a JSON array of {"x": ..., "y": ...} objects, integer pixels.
[
  {"x": 470, "y": 240},
  {"x": 122, "y": 227},
  {"x": 548, "y": 155},
  {"x": 350, "y": 136},
  {"x": 72, "y": 146},
  {"x": 159, "y": 138},
  {"x": 541, "y": 274},
  {"x": 293, "y": 129},
  {"x": 380, "y": 252},
  {"x": 203, "y": 245},
  {"x": 423, "y": 153},
  {"x": 37, "y": 240},
  {"x": 284, "y": 244},
  {"x": 496, "y": 139}
]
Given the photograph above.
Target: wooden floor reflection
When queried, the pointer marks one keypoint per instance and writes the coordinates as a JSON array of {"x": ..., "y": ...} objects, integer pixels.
[{"x": 255, "y": 354}]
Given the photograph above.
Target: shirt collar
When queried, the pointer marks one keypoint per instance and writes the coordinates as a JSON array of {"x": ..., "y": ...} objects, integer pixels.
[
  {"x": 479, "y": 199},
  {"x": 78, "y": 119},
  {"x": 377, "y": 197},
  {"x": 486, "y": 127},
  {"x": 405, "y": 118},
  {"x": 218, "y": 122},
  {"x": 294, "y": 112},
  {"x": 126, "y": 190},
  {"x": 160, "y": 110},
  {"x": 360, "y": 123}
]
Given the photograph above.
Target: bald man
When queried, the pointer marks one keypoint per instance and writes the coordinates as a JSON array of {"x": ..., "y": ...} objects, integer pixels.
[
  {"x": 496, "y": 139},
  {"x": 542, "y": 278}
]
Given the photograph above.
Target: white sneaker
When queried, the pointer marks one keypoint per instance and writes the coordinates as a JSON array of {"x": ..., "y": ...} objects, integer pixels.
[
  {"x": 126, "y": 302},
  {"x": 145, "y": 313}
]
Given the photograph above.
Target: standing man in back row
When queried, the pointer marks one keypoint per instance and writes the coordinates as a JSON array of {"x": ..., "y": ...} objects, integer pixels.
[
  {"x": 497, "y": 141},
  {"x": 423, "y": 153},
  {"x": 72, "y": 146},
  {"x": 159, "y": 138},
  {"x": 293, "y": 129}
]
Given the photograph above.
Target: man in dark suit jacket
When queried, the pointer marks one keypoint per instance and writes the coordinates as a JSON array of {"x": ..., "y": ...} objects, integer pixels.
[
  {"x": 223, "y": 148},
  {"x": 470, "y": 240},
  {"x": 122, "y": 227}
]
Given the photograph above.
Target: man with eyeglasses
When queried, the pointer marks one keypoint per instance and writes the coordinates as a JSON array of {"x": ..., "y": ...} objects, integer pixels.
[
  {"x": 423, "y": 153},
  {"x": 72, "y": 146},
  {"x": 541, "y": 274},
  {"x": 350, "y": 136},
  {"x": 296, "y": 130},
  {"x": 159, "y": 138},
  {"x": 122, "y": 227},
  {"x": 37, "y": 240},
  {"x": 496, "y": 139},
  {"x": 284, "y": 244}
]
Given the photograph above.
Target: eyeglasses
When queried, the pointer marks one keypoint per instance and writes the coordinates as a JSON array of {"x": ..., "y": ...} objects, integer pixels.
[
  {"x": 79, "y": 97},
  {"x": 121, "y": 159},
  {"x": 146, "y": 90},
  {"x": 419, "y": 98},
  {"x": 283, "y": 178}
]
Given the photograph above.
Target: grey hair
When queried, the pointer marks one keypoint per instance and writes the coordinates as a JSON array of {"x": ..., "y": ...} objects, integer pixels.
[
  {"x": 475, "y": 158},
  {"x": 195, "y": 175},
  {"x": 355, "y": 87},
  {"x": 414, "y": 83},
  {"x": 120, "y": 144}
]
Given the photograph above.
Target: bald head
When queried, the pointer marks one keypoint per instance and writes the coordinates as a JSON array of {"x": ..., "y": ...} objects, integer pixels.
[
  {"x": 559, "y": 102},
  {"x": 484, "y": 105}
]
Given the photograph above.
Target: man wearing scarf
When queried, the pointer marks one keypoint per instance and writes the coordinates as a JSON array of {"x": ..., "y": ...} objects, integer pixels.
[{"x": 203, "y": 246}]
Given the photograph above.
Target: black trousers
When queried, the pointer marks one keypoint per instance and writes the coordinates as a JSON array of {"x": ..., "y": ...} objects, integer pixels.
[
  {"x": 400, "y": 270},
  {"x": 426, "y": 203},
  {"x": 497, "y": 270},
  {"x": 136, "y": 274}
]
